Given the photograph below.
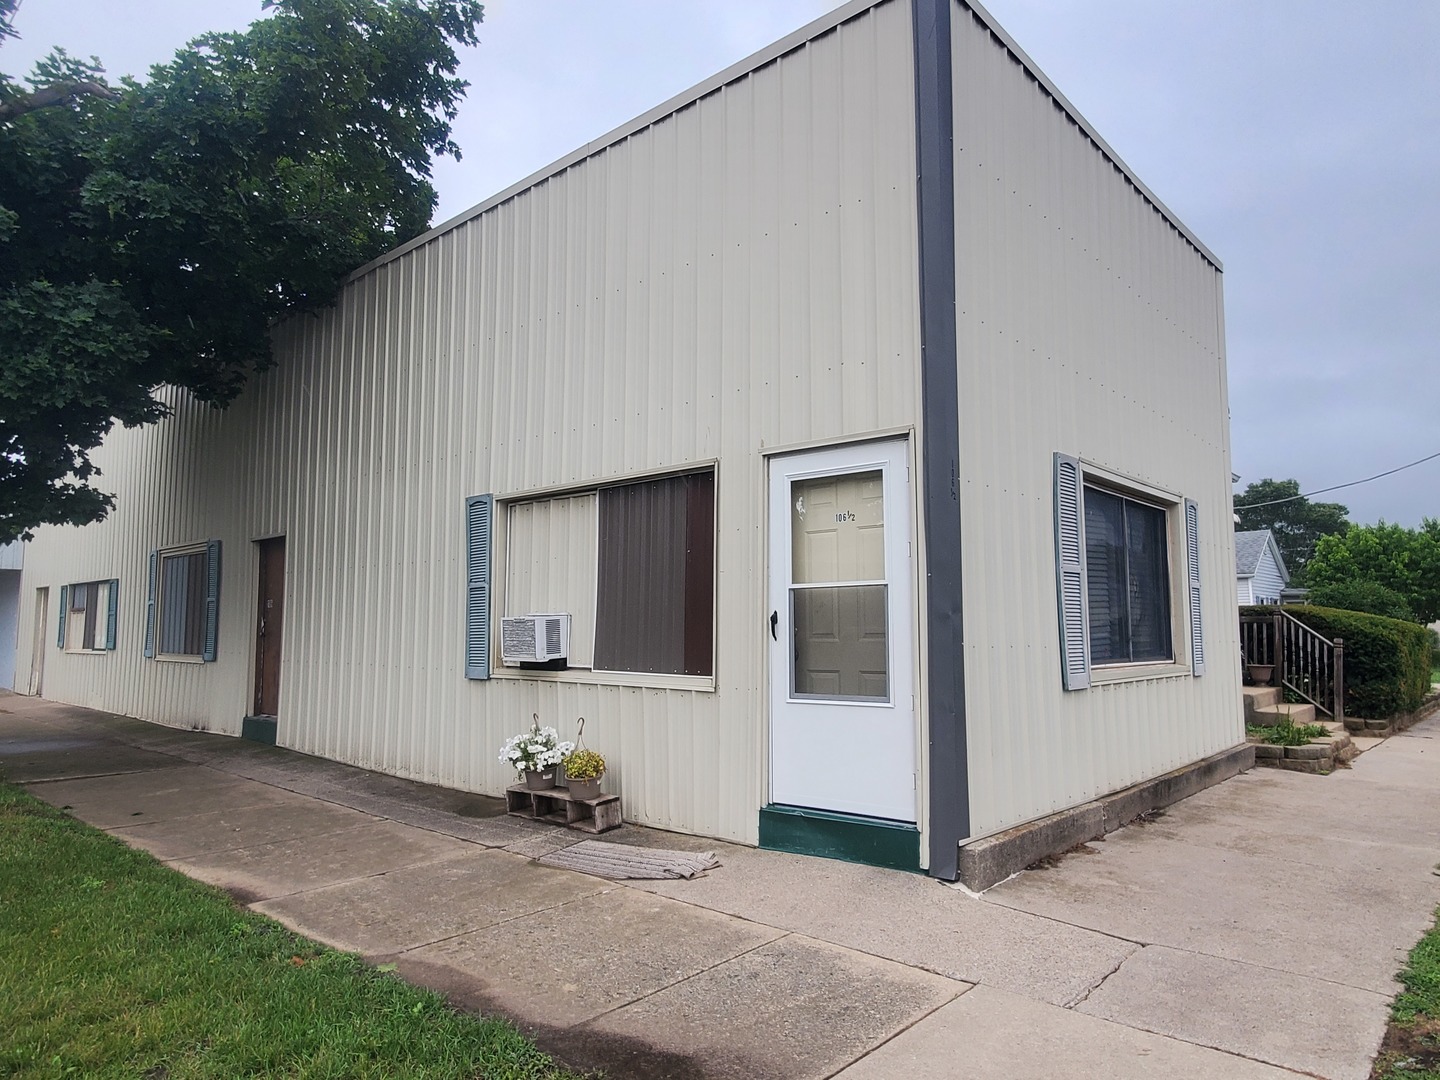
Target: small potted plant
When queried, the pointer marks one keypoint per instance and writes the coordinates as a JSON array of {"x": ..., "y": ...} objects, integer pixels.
[
  {"x": 583, "y": 768},
  {"x": 1261, "y": 674},
  {"x": 535, "y": 754}
]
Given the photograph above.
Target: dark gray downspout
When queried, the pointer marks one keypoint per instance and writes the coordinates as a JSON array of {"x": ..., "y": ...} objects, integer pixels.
[{"x": 940, "y": 435}]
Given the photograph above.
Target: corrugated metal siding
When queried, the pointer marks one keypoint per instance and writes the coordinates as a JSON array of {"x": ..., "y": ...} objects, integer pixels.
[
  {"x": 1087, "y": 324},
  {"x": 739, "y": 275},
  {"x": 178, "y": 483}
]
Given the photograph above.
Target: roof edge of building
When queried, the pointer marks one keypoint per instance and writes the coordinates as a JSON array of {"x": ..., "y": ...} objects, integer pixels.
[{"x": 769, "y": 54}]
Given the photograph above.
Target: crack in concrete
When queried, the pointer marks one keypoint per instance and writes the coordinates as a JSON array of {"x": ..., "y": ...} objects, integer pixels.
[{"x": 1101, "y": 981}]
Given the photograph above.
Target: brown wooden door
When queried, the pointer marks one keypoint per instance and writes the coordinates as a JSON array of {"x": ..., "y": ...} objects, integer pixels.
[{"x": 269, "y": 625}]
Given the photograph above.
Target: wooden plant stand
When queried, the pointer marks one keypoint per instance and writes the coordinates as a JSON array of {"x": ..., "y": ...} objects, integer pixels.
[{"x": 597, "y": 815}]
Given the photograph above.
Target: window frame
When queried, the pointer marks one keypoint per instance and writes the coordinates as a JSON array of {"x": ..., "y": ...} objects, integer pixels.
[
  {"x": 1182, "y": 590},
  {"x": 1170, "y": 515},
  {"x": 209, "y": 551},
  {"x": 101, "y": 627},
  {"x": 500, "y": 559}
]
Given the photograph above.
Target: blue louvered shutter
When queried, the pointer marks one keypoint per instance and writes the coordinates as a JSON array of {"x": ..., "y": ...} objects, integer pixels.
[
  {"x": 212, "y": 599},
  {"x": 110, "y": 612},
  {"x": 64, "y": 611},
  {"x": 1192, "y": 562},
  {"x": 150, "y": 604},
  {"x": 479, "y": 522},
  {"x": 1070, "y": 572}
]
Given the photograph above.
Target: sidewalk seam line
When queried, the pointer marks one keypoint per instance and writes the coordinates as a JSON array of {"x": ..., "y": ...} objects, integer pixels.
[
  {"x": 680, "y": 982},
  {"x": 498, "y": 922},
  {"x": 901, "y": 1031}
]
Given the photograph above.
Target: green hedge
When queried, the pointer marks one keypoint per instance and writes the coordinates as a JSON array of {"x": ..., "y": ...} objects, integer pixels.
[{"x": 1387, "y": 661}]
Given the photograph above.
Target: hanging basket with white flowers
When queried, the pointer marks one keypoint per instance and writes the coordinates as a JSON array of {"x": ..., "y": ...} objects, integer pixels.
[{"x": 536, "y": 754}]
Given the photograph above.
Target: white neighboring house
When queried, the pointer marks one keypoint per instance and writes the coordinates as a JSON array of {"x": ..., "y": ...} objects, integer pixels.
[
  {"x": 1260, "y": 572},
  {"x": 12, "y": 558}
]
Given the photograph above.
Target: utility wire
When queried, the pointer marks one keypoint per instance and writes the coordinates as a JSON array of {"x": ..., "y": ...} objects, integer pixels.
[{"x": 1337, "y": 487}]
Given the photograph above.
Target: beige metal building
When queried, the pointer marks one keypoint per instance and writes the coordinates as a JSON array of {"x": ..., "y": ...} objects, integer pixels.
[{"x": 862, "y": 410}]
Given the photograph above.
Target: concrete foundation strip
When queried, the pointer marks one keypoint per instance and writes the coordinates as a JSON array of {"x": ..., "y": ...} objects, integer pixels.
[{"x": 621, "y": 861}]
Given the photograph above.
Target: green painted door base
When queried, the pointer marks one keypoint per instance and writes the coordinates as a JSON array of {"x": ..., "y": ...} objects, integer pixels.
[
  {"x": 840, "y": 836},
  {"x": 259, "y": 729}
]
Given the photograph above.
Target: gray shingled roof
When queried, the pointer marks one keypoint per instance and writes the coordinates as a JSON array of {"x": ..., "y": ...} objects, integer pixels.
[{"x": 1249, "y": 547}]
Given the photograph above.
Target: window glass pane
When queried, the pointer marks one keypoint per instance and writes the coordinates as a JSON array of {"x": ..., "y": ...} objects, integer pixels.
[
  {"x": 837, "y": 528},
  {"x": 655, "y": 594},
  {"x": 841, "y": 642},
  {"x": 195, "y": 604},
  {"x": 93, "y": 600},
  {"x": 1105, "y": 577},
  {"x": 550, "y": 565},
  {"x": 182, "y": 604},
  {"x": 1149, "y": 585},
  {"x": 1127, "y": 579}
]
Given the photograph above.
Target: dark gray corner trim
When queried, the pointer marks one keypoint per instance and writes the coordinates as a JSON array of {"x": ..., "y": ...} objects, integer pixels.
[{"x": 940, "y": 436}]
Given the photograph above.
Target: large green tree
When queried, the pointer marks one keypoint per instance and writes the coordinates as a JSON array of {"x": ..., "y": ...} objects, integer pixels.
[
  {"x": 151, "y": 231},
  {"x": 1296, "y": 521},
  {"x": 1405, "y": 560}
]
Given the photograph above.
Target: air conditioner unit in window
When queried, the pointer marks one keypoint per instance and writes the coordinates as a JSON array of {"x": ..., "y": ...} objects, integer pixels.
[{"x": 535, "y": 640}]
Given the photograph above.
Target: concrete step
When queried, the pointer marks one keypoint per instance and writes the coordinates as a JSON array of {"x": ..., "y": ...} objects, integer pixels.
[
  {"x": 1262, "y": 696},
  {"x": 1257, "y": 697},
  {"x": 1270, "y": 715}
]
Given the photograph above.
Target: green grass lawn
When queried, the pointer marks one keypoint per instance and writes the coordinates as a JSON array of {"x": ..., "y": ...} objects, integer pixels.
[
  {"x": 1411, "y": 1050},
  {"x": 112, "y": 965}
]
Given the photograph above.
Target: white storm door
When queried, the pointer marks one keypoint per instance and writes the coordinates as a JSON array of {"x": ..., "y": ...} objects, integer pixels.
[{"x": 842, "y": 706}]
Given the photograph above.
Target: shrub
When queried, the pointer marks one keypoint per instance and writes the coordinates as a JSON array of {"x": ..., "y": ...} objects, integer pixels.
[
  {"x": 1387, "y": 661},
  {"x": 1360, "y": 595}
]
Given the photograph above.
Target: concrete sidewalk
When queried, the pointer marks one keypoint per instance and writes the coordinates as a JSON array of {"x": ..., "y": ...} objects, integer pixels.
[{"x": 1252, "y": 931}]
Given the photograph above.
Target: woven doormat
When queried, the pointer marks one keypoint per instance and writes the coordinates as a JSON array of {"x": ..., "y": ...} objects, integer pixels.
[{"x": 620, "y": 861}]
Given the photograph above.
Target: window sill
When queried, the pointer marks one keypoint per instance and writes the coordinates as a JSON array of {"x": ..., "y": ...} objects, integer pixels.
[
  {"x": 86, "y": 652},
  {"x": 179, "y": 658},
  {"x": 643, "y": 680},
  {"x": 1136, "y": 672}
]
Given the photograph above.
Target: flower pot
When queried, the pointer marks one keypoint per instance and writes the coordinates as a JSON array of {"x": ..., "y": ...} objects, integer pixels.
[
  {"x": 540, "y": 780},
  {"x": 1261, "y": 674},
  {"x": 585, "y": 789}
]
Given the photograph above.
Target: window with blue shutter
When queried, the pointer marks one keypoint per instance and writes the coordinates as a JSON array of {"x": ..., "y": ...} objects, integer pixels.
[
  {"x": 1115, "y": 588},
  {"x": 1192, "y": 559},
  {"x": 1070, "y": 573},
  {"x": 479, "y": 523},
  {"x": 212, "y": 600},
  {"x": 111, "y": 611},
  {"x": 87, "y": 616},
  {"x": 150, "y": 604},
  {"x": 182, "y": 612}
]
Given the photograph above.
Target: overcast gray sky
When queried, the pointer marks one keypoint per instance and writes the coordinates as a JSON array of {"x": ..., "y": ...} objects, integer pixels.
[{"x": 1299, "y": 140}]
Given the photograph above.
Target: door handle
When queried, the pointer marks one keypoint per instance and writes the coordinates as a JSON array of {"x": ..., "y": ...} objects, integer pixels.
[{"x": 774, "y": 622}]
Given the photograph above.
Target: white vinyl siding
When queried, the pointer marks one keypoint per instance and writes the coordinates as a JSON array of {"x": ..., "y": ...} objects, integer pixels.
[{"x": 1267, "y": 582}]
